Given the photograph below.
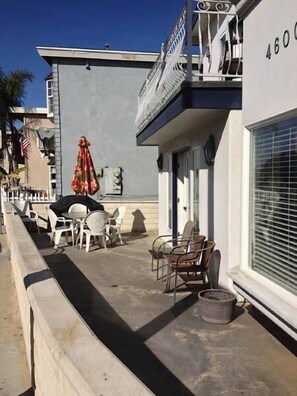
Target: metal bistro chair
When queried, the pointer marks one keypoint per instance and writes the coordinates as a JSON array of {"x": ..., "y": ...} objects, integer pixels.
[
  {"x": 94, "y": 225},
  {"x": 195, "y": 261},
  {"x": 57, "y": 230},
  {"x": 192, "y": 246},
  {"x": 165, "y": 243}
]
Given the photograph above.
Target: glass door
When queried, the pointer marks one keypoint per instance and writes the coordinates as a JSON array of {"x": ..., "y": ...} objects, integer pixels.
[
  {"x": 182, "y": 189},
  {"x": 195, "y": 187}
]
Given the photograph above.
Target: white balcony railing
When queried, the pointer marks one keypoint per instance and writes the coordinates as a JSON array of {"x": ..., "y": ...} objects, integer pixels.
[
  {"x": 27, "y": 193},
  {"x": 205, "y": 44}
]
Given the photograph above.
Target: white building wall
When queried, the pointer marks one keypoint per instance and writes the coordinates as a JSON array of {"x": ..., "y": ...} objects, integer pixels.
[
  {"x": 269, "y": 92},
  {"x": 227, "y": 196},
  {"x": 204, "y": 204},
  {"x": 222, "y": 223},
  {"x": 270, "y": 85}
]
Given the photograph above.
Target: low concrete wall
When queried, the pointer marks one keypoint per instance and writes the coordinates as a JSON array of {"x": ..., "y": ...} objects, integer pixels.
[
  {"x": 140, "y": 216},
  {"x": 64, "y": 356}
]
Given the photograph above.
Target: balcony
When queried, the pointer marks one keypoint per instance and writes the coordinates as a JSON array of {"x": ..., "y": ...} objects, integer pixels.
[{"x": 204, "y": 49}]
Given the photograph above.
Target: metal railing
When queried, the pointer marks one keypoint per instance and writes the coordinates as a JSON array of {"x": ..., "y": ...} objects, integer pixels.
[{"x": 205, "y": 44}]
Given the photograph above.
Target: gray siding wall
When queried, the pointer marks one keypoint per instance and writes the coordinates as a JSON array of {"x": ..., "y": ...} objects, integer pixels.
[{"x": 101, "y": 104}]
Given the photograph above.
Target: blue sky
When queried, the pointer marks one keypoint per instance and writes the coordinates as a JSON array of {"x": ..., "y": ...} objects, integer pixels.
[{"x": 130, "y": 25}]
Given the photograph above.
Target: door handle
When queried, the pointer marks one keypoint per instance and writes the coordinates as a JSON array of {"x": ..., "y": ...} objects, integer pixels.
[{"x": 185, "y": 208}]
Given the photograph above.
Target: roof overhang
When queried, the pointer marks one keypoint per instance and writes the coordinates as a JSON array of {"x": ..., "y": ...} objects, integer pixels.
[
  {"x": 194, "y": 104},
  {"x": 51, "y": 53},
  {"x": 29, "y": 112}
]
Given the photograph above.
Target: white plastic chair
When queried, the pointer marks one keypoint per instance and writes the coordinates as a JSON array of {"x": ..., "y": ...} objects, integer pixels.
[
  {"x": 27, "y": 215},
  {"x": 57, "y": 231},
  {"x": 77, "y": 207},
  {"x": 94, "y": 225},
  {"x": 115, "y": 222}
]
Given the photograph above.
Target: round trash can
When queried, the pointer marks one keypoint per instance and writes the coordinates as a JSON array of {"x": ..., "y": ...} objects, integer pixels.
[{"x": 217, "y": 306}]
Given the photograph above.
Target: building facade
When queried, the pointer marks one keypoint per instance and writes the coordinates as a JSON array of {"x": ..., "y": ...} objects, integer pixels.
[
  {"x": 267, "y": 274},
  {"x": 227, "y": 159},
  {"x": 37, "y": 180},
  {"x": 190, "y": 107},
  {"x": 93, "y": 93}
]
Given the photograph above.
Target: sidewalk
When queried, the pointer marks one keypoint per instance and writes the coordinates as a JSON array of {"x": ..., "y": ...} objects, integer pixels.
[{"x": 14, "y": 372}]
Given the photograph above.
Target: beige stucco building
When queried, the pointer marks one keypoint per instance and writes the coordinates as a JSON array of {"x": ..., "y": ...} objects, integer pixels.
[{"x": 39, "y": 171}]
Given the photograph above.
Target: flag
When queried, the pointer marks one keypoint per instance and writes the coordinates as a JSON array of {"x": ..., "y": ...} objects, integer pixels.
[{"x": 24, "y": 142}]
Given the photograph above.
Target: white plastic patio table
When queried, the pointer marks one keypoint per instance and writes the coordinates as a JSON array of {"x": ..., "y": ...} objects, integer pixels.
[
  {"x": 74, "y": 215},
  {"x": 79, "y": 218}
]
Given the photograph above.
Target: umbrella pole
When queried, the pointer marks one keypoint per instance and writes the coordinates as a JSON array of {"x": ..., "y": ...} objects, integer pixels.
[{"x": 86, "y": 202}]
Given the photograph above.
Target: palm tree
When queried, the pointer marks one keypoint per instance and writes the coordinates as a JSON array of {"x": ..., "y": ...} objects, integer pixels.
[{"x": 12, "y": 92}]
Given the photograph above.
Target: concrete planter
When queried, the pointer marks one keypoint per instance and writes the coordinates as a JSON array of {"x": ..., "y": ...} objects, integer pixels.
[{"x": 217, "y": 306}]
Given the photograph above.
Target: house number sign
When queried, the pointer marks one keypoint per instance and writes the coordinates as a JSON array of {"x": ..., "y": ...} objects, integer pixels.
[{"x": 281, "y": 42}]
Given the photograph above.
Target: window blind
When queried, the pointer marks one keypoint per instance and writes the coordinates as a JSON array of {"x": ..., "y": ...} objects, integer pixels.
[{"x": 274, "y": 203}]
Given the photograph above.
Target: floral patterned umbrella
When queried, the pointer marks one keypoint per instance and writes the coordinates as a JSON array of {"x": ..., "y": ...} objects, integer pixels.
[{"x": 84, "y": 180}]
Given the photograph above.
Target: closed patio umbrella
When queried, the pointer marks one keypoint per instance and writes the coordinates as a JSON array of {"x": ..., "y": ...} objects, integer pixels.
[
  {"x": 64, "y": 203},
  {"x": 84, "y": 181}
]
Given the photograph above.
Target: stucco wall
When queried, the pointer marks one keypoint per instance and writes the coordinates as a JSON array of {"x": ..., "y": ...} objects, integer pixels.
[
  {"x": 66, "y": 356},
  {"x": 269, "y": 90},
  {"x": 37, "y": 165},
  {"x": 228, "y": 196},
  {"x": 270, "y": 85},
  {"x": 141, "y": 216},
  {"x": 101, "y": 104}
]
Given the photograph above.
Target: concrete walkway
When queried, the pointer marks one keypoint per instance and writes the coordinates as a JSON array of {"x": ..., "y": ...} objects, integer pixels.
[
  {"x": 171, "y": 349},
  {"x": 14, "y": 372}
]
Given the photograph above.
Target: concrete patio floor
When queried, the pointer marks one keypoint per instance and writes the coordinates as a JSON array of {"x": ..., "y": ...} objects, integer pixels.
[{"x": 171, "y": 349}]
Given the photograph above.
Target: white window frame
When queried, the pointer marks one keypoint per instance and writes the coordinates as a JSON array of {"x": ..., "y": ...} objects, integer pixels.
[
  {"x": 49, "y": 97},
  {"x": 274, "y": 301},
  {"x": 169, "y": 194},
  {"x": 268, "y": 279}
]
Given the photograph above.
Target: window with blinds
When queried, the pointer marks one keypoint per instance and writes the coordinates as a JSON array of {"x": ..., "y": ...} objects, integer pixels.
[{"x": 274, "y": 203}]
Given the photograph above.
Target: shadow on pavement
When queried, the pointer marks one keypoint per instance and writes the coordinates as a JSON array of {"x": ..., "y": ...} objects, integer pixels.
[
  {"x": 28, "y": 392},
  {"x": 114, "y": 332},
  {"x": 273, "y": 329}
]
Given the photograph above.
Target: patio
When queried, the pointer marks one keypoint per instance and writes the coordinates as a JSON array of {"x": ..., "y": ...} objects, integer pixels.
[{"x": 171, "y": 349}]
